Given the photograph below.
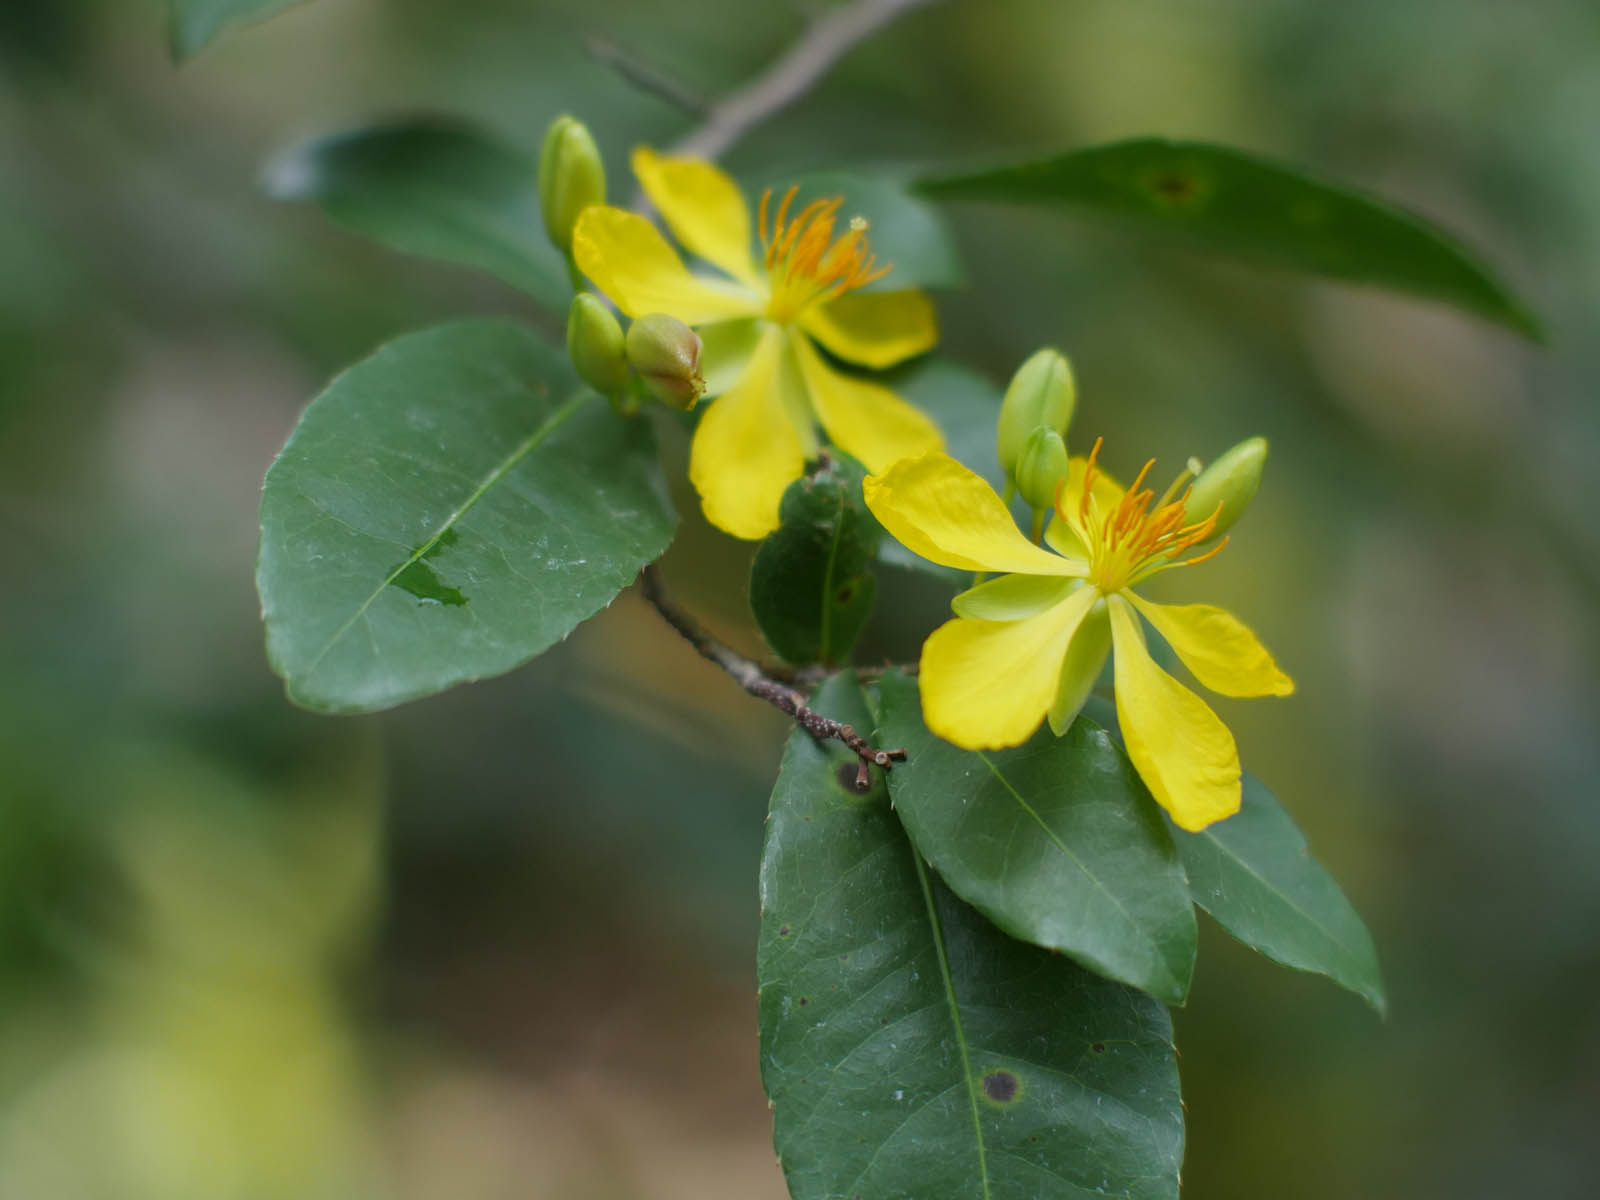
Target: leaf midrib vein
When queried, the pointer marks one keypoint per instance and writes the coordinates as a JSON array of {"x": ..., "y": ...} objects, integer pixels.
[
  {"x": 1073, "y": 858},
  {"x": 955, "y": 1017},
  {"x": 1277, "y": 891},
  {"x": 504, "y": 467}
]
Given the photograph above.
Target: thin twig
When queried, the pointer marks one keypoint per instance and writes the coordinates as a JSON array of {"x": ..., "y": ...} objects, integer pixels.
[
  {"x": 828, "y": 40},
  {"x": 750, "y": 676},
  {"x": 646, "y": 76}
]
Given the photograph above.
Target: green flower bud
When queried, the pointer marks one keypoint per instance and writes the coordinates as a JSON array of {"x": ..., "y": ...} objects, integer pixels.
[
  {"x": 666, "y": 354},
  {"x": 1231, "y": 481},
  {"x": 1041, "y": 393},
  {"x": 1041, "y": 465},
  {"x": 595, "y": 344},
  {"x": 572, "y": 176}
]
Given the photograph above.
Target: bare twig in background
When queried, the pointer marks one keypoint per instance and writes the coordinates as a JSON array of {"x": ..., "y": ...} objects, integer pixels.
[
  {"x": 828, "y": 39},
  {"x": 646, "y": 76},
  {"x": 752, "y": 678}
]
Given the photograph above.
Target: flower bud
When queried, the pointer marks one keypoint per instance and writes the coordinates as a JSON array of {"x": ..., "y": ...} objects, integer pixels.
[
  {"x": 666, "y": 354},
  {"x": 1231, "y": 481},
  {"x": 595, "y": 344},
  {"x": 572, "y": 176},
  {"x": 1041, "y": 465},
  {"x": 1041, "y": 393}
]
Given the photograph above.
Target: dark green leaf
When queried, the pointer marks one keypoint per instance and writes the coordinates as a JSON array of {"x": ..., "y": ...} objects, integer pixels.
[
  {"x": 1252, "y": 873},
  {"x": 436, "y": 188},
  {"x": 1237, "y": 203},
  {"x": 905, "y": 231},
  {"x": 811, "y": 584},
  {"x": 195, "y": 23},
  {"x": 446, "y": 510},
  {"x": 912, "y": 1050},
  {"x": 1056, "y": 842}
]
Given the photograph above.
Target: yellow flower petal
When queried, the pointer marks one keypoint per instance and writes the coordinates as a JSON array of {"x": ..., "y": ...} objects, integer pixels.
[
  {"x": 1086, "y": 658},
  {"x": 1013, "y": 597},
  {"x": 942, "y": 511},
  {"x": 746, "y": 449},
  {"x": 1221, "y": 651},
  {"x": 702, "y": 207},
  {"x": 725, "y": 350},
  {"x": 874, "y": 329},
  {"x": 863, "y": 419},
  {"x": 629, "y": 260},
  {"x": 1182, "y": 750},
  {"x": 987, "y": 684}
]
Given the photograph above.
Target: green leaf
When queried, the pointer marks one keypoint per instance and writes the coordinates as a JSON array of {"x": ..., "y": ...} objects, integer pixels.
[
  {"x": 905, "y": 232},
  {"x": 811, "y": 584},
  {"x": 1056, "y": 842},
  {"x": 194, "y": 24},
  {"x": 437, "y": 188},
  {"x": 1252, "y": 873},
  {"x": 1237, "y": 203},
  {"x": 912, "y": 1050},
  {"x": 446, "y": 510}
]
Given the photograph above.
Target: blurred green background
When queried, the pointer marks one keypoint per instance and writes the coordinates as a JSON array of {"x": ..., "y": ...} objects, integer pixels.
[{"x": 500, "y": 944}]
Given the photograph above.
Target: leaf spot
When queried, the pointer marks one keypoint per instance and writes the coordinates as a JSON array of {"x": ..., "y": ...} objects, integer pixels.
[{"x": 1002, "y": 1087}]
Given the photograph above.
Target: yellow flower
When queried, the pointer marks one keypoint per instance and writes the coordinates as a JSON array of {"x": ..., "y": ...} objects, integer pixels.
[
  {"x": 1032, "y": 642},
  {"x": 759, "y": 328}
]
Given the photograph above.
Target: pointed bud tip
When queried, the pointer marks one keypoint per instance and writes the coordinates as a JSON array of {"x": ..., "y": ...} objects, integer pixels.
[
  {"x": 572, "y": 176},
  {"x": 1228, "y": 485}
]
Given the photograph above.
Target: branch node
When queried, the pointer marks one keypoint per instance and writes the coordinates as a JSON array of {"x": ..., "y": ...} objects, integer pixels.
[{"x": 754, "y": 679}]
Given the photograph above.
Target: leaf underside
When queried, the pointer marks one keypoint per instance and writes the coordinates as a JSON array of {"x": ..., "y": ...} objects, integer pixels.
[
  {"x": 438, "y": 188},
  {"x": 1237, "y": 203}
]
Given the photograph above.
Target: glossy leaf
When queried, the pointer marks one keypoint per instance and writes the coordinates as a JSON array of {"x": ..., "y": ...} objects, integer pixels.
[
  {"x": 1055, "y": 841},
  {"x": 910, "y": 1049},
  {"x": 905, "y": 231},
  {"x": 1238, "y": 203},
  {"x": 194, "y": 24},
  {"x": 1252, "y": 873},
  {"x": 811, "y": 584},
  {"x": 446, "y": 510},
  {"x": 435, "y": 188}
]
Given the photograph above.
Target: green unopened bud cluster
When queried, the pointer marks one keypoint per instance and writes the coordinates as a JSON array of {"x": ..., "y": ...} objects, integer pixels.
[
  {"x": 1041, "y": 394},
  {"x": 1227, "y": 486},
  {"x": 659, "y": 356},
  {"x": 572, "y": 176}
]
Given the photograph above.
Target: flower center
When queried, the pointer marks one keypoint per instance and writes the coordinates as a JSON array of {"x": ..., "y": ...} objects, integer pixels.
[
  {"x": 1141, "y": 535},
  {"x": 805, "y": 262}
]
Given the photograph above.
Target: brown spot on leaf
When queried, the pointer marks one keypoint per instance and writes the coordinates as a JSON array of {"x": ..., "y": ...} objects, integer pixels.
[{"x": 1001, "y": 1086}]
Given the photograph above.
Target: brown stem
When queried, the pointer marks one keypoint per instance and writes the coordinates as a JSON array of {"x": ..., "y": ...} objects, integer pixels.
[
  {"x": 828, "y": 39},
  {"x": 752, "y": 678}
]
